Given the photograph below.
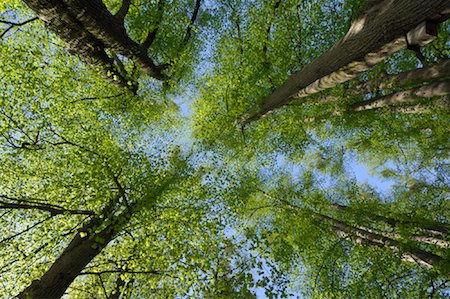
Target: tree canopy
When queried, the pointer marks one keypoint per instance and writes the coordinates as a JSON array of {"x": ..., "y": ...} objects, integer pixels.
[{"x": 223, "y": 149}]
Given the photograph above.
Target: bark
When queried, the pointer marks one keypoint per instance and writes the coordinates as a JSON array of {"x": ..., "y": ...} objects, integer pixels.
[
  {"x": 99, "y": 21},
  {"x": 404, "y": 97},
  {"x": 440, "y": 70},
  {"x": 430, "y": 228},
  {"x": 89, "y": 29},
  {"x": 80, "y": 252},
  {"x": 381, "y": 31},
  {"x": 365, "y": 237},
  {"x": 79, "y": 41}
]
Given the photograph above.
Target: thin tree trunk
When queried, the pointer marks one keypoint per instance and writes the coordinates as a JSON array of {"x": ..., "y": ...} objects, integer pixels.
[
  {"x": 364, "y": 237},
  {"x": 404, "y": 97},
  {"x": 369, "y": 238},
  {"x": 439, "y": 70},
  {"x": 84, "y": 247},
  {"x": 429, "y": 227},
  {"x": 374, "y": 36}
]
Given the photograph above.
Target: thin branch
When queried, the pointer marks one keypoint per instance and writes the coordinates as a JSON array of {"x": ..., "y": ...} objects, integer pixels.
[
  {"x": 30, "y": 205},
  {"x": 121, "y": 271},
  {"x": 13, "y": 24},
  {"x": 24, "y": 231},
  {"x": 123, "y": 10},
  {"x": 152, "y": 33},
  {"x": 188, "y": 35},
  {"x": 97, "y": 98}
]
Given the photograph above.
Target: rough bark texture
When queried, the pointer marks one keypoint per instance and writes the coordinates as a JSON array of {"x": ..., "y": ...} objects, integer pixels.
[
  {"x": 377, "y": 34},
  {"x": 89, "y": 29},
  {"x": 56, "y": 16},
  {"x": 440, "y": 70},
  {"x": 404, "y": 97},
  {"x": 80, "y": 252},
  {"x": 99, "y": 21}
]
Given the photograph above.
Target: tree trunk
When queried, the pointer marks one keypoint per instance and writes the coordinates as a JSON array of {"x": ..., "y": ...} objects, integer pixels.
[
  {"x": 56, "y": 16},
  {"x": 404, "y": 97},
  {"x": 84, "y": 247},
  {"x": 364, "y": 237},
  {"x": 431, "y": 227},
  {"x": 99, "y": 21},
  {"x": 439, "y": 70},
  {"x": 89, "y": 28},
  {"x": 374, "y": 36}
]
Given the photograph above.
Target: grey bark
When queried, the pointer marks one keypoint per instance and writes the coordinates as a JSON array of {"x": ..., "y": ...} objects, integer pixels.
[
  {"x": 404, "y": 97},
  {"x": 377, "y": 34},
  {"x": 369, "y": 238},
  {"x": 439, "y": 70},
  {"x": 79, "y": 41},
  {"x": 365, "y": 237},
  {"x": 99, "y": 21}
]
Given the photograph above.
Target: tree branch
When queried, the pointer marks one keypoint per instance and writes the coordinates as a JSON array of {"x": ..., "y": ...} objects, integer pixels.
[
  {"x": 54, "y": 210},
  {"x": 152, "y": 33},
  {"x": 123, "y": 10},
  {"x": 13, "y": 24},
  {"x": 24, "y": 231},
  {"x": 153, "y": 272},
  {"x": 188, "y": 35}
]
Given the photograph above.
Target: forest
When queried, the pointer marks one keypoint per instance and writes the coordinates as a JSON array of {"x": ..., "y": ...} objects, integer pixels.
[{"x": 224, "y": 149}]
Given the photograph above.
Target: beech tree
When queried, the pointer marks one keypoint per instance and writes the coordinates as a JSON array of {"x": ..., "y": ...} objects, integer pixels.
[{"x": 110, "y": 189}]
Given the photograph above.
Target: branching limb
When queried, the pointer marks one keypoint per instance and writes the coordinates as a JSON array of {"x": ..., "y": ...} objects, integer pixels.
[
  {"x": 21, "y": 203},
  {"x": 123, "y": 10},
  {"x": 152, "y": 33},
  {"x": 13, "y": 24},
  {"x": 188, "y": 34},
  {"x": 153, "y": 272}
]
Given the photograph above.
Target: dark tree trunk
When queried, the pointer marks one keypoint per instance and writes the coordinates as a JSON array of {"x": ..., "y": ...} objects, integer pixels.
[
  {"x": 84, "y": 247},
  {"x": 381, "y": 31},
  {"x": 57, "y": 17},
  {"x": 89, "y": 29}
]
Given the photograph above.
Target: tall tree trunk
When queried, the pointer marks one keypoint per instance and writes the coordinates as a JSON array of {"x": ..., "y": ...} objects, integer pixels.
[
  {"x": 427, "y": 227},
  {"x": 56, "y": 16},
  {"x": 84, "y": 247},
  {"x": 377, "y": 34},
  {"x": 84, "y": 24},
  {"x": 367, "y": 238},
  {"x": 439, "y": 70},
  {"x": 404, "y": 97},
  {"x": 363, "y": 236}
]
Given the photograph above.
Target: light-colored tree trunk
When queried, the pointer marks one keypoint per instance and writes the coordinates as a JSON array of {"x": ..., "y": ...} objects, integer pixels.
[
  {"x": 367, "y": 238},
  {"x": 381, "y": 31},
  {"x": 439, "y": 70},
  {"x": 404, "y": 97}
]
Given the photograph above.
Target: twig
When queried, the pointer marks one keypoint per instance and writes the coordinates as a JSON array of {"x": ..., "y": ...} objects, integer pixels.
[{"x": 13, "y": 24}]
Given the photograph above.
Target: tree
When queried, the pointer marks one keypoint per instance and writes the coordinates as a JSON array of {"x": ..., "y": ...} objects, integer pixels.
[
  {"x": 105, "y": 192},
  {"x": 367, "y": 42}
]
